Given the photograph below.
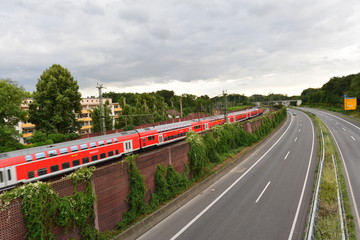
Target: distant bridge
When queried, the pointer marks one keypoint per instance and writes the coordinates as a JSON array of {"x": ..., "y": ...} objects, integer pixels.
[{"x": 278, "y": 102}]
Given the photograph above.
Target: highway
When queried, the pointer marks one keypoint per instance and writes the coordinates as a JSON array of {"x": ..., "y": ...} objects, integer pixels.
[
  {"x": 266, "y": 196},
  {"x": 347, "y": 137}
]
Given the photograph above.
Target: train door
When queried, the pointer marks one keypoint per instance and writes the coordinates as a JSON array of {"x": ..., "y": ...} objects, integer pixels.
[
  {"x": 160, "y": 138},
  {"x": 2, "y": 177},
  {"x": 206, "y": 126},
  {"x": 128, "y": 146},
  {"x": 8, "y": 176}
]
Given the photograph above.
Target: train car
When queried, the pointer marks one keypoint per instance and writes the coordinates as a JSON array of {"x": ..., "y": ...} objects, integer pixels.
[{"x": 42, "y": 162}]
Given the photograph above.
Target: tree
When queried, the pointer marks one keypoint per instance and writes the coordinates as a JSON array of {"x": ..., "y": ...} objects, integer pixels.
[
  {"x": 11, "y": 96},
  {"x": 96, "y": 119},
  {"x": 56, "y": 102}
]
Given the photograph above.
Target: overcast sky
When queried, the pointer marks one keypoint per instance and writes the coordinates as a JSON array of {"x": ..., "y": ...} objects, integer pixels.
[{"x": 189, "y": 46}]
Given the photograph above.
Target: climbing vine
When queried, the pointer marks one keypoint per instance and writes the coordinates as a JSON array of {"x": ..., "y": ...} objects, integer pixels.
[
  {"x": 136, "y": 197},
  {"x": 44, "y": 209}
]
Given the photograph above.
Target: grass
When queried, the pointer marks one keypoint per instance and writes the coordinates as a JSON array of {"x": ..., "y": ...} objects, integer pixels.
[{"x": 328, "y": 219}]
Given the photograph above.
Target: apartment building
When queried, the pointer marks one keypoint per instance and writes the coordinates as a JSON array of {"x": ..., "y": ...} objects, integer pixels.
[{"x": 87, "y": 104}]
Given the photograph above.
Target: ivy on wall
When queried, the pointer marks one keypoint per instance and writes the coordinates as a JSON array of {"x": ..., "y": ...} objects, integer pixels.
[
  {"x": 43, "y": 209},
  {"x": 214, "y": 144}
]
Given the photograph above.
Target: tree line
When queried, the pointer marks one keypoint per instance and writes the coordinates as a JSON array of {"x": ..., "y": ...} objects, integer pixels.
[
  {"x": 332, "y": 93},
  {"x": 56, "y": 106}
]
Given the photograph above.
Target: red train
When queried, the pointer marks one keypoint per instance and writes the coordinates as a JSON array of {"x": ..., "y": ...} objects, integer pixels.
[{"x": 41, "y": 162}]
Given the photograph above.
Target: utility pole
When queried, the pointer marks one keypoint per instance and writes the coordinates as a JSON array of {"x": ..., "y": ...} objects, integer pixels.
[
  {"x": 102, "y": 117},
  {"x": 181, "y": 110},
  {"x": 226, "y": 112}
]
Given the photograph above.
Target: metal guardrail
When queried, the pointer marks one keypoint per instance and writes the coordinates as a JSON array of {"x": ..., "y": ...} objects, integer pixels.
[{"x": 310, "y": 235}]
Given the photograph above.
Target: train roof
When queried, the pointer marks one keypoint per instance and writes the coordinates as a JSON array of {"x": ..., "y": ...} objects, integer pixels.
[
  {"x": 63, "y": 144},
  {"x": 168, "y": 126}
]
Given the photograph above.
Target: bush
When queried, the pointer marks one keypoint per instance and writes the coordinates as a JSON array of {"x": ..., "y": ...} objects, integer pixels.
[{"x": 57, "y": 137}]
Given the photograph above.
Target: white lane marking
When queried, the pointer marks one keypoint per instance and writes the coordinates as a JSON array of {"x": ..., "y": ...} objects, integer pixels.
[
  {"x": 344, "y": 129},
  {"x": 305, "y": 182},
  {"x": 344, "y": 120},
  {"x": 287, "y": 155},
  {"x": 229, "y": 188},
  {"x": 353, "y": 138},
  {"x": 299, "y": 129},
  {"x": 262, "y": 192},
  {"x": 300, "y": 124},
  {"x": 347, "y": 175},
  {"x": 295, "y": 139}
]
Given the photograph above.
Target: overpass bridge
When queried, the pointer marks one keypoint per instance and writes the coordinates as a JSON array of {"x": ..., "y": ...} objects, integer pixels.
[{"x": 278, "y": 102}]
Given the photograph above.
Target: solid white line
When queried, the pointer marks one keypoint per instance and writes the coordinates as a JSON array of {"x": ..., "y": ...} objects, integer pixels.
[
  {"x": 348, "y": 179},
  {"x": 295, "y": 139},
  {"x": 287, "y": 155},
  {"x": 343, "y": 120},
  {"x": 262, "y": 192},
  {"x": 229, "y": 188},
  {"x": 353, "y": 138},
  {"x": 305, "y": 181}
]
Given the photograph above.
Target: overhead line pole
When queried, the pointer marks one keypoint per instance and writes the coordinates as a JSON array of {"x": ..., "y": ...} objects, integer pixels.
[{"x": 102, "y": 117}]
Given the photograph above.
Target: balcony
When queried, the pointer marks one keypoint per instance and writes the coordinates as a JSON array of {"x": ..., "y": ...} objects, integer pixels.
[
  {"x": 27, "y": 135},
  {"x": 27, "y": 125},
  {"x": 86, "y": 127}
]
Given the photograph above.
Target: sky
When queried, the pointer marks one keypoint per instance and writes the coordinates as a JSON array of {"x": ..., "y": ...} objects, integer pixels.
[{"x": 199, "y": 47}]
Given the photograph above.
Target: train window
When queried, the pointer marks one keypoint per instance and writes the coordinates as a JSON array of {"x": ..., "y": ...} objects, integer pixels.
[
  {"x": 109, "y": 141},
  {"x": 85, "y": 160},
  {"x": 101, "y": 143},
  {"x": 54, "y": 168},
  {"x": 151, "y": 138},
  {"x": 74, "y": 148},
  {"x": 42, "y": 171},
  {"x": 31, "y": 174},
  {"x": 1, "y": 177},
  {"x": 63, "y": 150},
  {"x": 111, "y": 153},
  {"x": 52, "y": 153},
  {"x": 28, "y": 158},
  {"x": 65, "y": 165},
  {"x": 76, "y": 163},
  {"x": 83, "y": 146},
  {"x": 102, "y": 155},
  {"x": 117, "y": 152},
  {"x": 115, "y": 140},
  {"x": 40, "y": 155},
  {"x": 92, "y": 145},
  {"x": 94, "y": 158}
]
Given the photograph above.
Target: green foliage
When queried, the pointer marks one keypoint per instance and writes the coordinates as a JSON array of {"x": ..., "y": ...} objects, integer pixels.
[
  {"x": 56, "y": 137},
  {"x": 44, "y": 209},
  {"x": 332, "y": 92},
  {"x": 136, "y": 197},
  {"x": 96, "y": 119},
  {"x": 39, "y": 139},
  {"x": 56, "y": 102},
  {"x": 197, "y": 153},
  {"x": 11, "y": 96},
  {"x": 169, "y": 183}
]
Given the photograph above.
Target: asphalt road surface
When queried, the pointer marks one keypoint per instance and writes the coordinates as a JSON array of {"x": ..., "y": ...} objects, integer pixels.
[
  {"x": 347, "y": 136},
  {"x": 267, "y": 196}
]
